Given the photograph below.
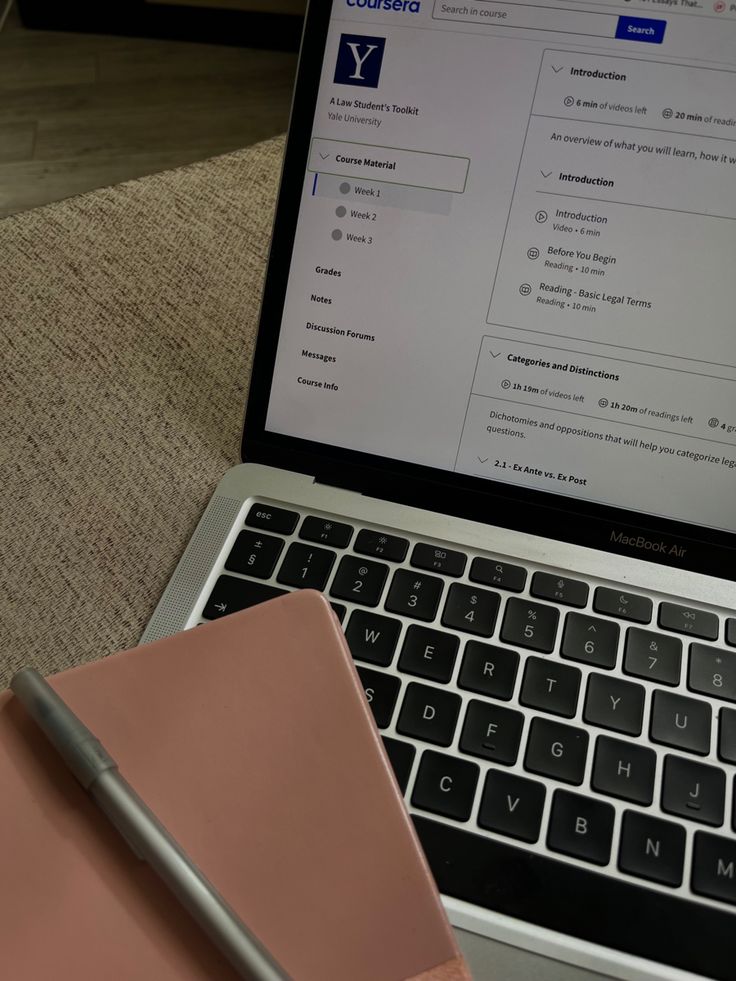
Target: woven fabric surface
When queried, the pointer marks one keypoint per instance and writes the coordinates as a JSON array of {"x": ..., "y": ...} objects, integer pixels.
[{"x": 127, "y": 323}]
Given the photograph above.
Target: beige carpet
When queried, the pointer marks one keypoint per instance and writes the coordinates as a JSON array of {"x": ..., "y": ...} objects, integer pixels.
[{"x": 127, "y": 321}]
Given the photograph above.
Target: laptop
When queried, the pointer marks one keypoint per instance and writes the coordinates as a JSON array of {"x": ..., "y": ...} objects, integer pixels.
[{"x": 492, "y": 415}]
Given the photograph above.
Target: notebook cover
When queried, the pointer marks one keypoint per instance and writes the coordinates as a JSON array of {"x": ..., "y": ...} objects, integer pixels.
[{"x": 251, "y": 740}]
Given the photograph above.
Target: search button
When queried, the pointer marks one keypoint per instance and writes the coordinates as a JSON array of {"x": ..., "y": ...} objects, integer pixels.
[{"x": 640, "y": 29}]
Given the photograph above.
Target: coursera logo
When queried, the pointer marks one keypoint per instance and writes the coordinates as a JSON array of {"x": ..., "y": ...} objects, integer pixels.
[
  {"x": 647, "y": 544},
  {"x": 408, "y": 6}
]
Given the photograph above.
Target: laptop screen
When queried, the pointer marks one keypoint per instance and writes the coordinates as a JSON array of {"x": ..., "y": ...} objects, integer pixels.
[{"x": 513, "y": 258}]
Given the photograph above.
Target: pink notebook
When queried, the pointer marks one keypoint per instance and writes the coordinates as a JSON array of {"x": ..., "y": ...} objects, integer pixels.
[{"x": 251, "y": 740}]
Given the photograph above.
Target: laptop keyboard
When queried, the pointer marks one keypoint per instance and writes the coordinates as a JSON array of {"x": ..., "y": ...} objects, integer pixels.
[{"x": 577, "y": 719}]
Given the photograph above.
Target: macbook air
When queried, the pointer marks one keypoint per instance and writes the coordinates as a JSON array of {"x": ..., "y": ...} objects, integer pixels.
[{"x": 492, "y": 416}]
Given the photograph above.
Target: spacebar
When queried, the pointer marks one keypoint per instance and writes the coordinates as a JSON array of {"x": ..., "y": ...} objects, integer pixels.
[{"x": 571, "y": 900}]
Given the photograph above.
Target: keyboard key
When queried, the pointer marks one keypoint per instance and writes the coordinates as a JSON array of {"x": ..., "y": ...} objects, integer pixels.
[
  {"x": 470, "y": 609},
  {"x": 372, "y": 637},
  {"x": 339, "y": 611},
  {"x": 530, "y": 625},
  {"x": 491, "y": 572},
  {"x": 428, "y": 653},
  {"x": 305, "y": 566},
  {"x": 512, "y": 805},
  {"x": 651, "y": 848},
  {"x": 415, "y": 595},
  {"x": 654, "y": 656},
  {"x": 254, "y": 554},
  {"x": 429, "y": 714},
  {"x": 359, "y": 580},
  {"x": 381, "y": 545},
  {"x": 401, "y": 756},
  {"x": 693, "y": 790},
  {"x": 445, "y": 785},
  {"x": 614, "y": 704},
  {"x": 559, "y": 589},
  {"x": 438, "y": 559},
  {"x": 231, "y": 594},
  {"x": 623, "y": 769},
  {"x": 488, "y": 670},
  {"x": 550, "y": 686},
  {"x": 381, "y": 692},
  {"x": 681, "y": 722},
  {"x": 556, "y": 750},
  {"x": 326, "y": 531},
  {"x": 272, "y": 519},
  {"x": 688, "y": 620},
  {"x": 622, "y": 604},
  {"x": 590, "y": 640},
  {"x": 714, "y": 867},
  {"x": 581, "y": 827},
  {"x": 492, "y": 732},
  {"x": 731, "y": 631},
  {"x": 727, "y": 735},
  {"x": 712, "y": 672}
]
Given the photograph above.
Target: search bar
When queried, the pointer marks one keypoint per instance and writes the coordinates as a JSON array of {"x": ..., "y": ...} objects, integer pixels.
[{"x": 561, "y": 20}]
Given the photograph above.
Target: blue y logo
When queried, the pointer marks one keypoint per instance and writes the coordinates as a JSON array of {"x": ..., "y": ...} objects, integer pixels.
[{"x": 359, "y": 60}]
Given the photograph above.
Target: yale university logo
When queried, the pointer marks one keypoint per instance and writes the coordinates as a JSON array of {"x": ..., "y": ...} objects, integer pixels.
[{"x": 359, "y": 60}]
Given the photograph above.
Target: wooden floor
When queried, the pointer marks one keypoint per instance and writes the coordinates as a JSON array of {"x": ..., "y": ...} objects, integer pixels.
[{"x": 83, "y": 111}]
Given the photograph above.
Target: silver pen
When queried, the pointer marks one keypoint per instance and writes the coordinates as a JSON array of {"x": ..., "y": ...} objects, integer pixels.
[{"x": 98, "y": 773}]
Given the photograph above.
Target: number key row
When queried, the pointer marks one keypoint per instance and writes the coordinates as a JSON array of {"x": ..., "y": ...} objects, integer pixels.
[{"x": 412, "y": 594}]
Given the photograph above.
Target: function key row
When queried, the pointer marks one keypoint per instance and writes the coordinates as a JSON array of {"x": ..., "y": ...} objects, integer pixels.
[
  {"x": 617, "y": 603},
  {"x": 335, "y": 534},
  {"x": 672, "y": 616}
]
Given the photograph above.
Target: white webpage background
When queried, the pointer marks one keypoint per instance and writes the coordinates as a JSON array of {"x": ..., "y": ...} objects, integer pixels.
[{"x": 422, "y": 287}]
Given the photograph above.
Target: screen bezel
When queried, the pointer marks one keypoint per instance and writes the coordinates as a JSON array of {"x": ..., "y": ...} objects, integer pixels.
[{"x": 678, "y": 544}]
